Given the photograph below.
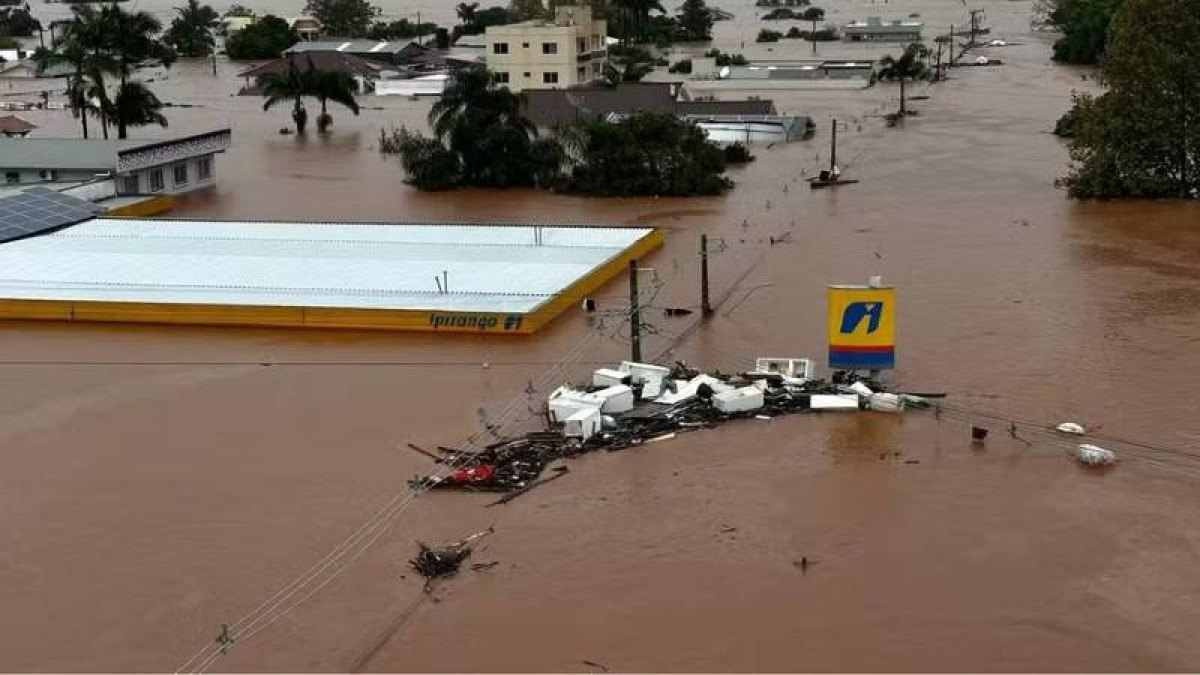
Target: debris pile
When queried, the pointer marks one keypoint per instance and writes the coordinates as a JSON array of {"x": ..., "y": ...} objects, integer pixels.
[
  {"x": 638, "y": 403},
  {"x": 432, "y": 563}
]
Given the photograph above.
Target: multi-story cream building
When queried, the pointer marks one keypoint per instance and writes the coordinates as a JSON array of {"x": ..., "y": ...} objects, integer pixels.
[{"x": 567, "y": 51}]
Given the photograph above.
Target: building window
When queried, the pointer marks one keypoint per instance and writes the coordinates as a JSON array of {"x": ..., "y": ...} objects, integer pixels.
[
  {"x": 180, "y": 171},
  {"x": 501, "y": 77},
  {"x": 500, "y": 48},
  {"x": 48, "y": 174},
  {"x": 131, "y": 184},
  {"x": 582, "y": 74},
  {"x": 12, "y": 177},
  {"x": 549, "y": 47},
  {"x": 582, "y": 44},
  {"x": 156, "y": 180},
  {"x": 527, "y": 75},
  {"x": 524, "y": 45},
  {"x": 549, "y": 78},
  {"x": 204, "y": 168},
  {"x": 596, "y": 69}
]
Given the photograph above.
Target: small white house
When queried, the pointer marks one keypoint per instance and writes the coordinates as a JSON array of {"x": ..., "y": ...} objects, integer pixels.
[{"x": 137, "y": 167}]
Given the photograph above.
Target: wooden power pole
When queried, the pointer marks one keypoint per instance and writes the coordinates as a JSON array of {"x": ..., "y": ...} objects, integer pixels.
[{"x": 705, "y": 306}]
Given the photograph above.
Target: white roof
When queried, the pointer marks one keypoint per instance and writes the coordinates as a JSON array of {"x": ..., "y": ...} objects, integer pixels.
[{"x": 490, "y": 268}]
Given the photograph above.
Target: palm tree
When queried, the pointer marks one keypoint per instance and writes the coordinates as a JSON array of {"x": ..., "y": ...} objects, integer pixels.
[
  {"x": 130, "y": 40},
  {"x": 629, "y": 71},
  {"x": 290, "y": 86},
  {"x": 910, "y": 66},
  {"x": 473, "y": 109},
  {"x": 191, "y": 32},
  {"x": 137, "y": 106},
  {"x": 466, "y": 13},
  {"x": 82, "y": 48},
  {"x": 471, "y": 95},
  {"x": 331, "y": 86}
]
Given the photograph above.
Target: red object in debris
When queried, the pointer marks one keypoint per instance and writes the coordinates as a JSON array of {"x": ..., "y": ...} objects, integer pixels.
[{"x": 476, "y": 474}]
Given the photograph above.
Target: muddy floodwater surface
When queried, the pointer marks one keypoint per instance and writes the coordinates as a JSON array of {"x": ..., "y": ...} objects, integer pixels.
[{"x": 160, "y": 481}]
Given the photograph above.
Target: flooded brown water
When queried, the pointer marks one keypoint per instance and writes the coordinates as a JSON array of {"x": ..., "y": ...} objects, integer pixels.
[{"x": 144, "y": 505}]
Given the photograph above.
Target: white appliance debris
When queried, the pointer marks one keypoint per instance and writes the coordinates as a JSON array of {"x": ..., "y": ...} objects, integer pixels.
[
  {"x": 1094, "y": 455},
  {"x": 738, "y": 400}
]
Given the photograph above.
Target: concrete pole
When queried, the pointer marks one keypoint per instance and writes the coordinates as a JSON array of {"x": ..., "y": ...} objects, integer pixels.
[{"x": 705, "y": 306}]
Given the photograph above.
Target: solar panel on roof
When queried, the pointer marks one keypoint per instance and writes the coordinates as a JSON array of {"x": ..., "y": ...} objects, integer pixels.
[{"x": 38, "y": 210}]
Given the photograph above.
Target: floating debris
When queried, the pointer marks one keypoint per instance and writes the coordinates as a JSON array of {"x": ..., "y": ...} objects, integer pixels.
[
  {"x": 1071, "y": 428},
  {"x": 1094, "y": 455},
  {"x": 433, "y": 563},
  {"x": 641, "y": 403}
]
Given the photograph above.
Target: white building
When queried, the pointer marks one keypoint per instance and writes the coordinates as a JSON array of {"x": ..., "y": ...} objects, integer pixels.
[
  {"x": 568, "y": 51},
  {"x": 141, "y": 167}
]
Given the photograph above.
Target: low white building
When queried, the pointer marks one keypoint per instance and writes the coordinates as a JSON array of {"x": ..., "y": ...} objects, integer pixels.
[
  {"x": 568, "y": 51},
  {"x": 137, "y": 167}
]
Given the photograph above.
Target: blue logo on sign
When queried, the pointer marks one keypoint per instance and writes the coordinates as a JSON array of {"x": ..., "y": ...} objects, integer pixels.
[{"x": 857, "y": 311}]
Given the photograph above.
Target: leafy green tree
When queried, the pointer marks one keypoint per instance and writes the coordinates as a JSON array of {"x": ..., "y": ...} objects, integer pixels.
[
  {"x": 766, "y": 35},
  {"x": 645, "y": 154},
  {"x": 1084, "y": 25},
  {"x": 266, "y": 38},
  {"x": 1141, "y": 138},
  {"x": 402, "y": 29},
  {"x": 813, "y": 14},
  {"x": 696, "y": 20},
  {"x": 237, "y": 10},
  {"x": 910, "y": 66},
  {"x": 343, "y": 18},
  {"x": 8, "y": 43},
  {"x": 292, "y": 85},
  {"x": 429, "y": 165},
  {"x": 18, "y": 22},
  {"x": 191, "y": 33},
  {"x": 480, "y": 139},
  {"x": 628, "y": 64}
]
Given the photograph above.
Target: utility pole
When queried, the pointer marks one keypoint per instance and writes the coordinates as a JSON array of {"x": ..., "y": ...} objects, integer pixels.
[
  {"x": 813, "y": 36},
  {"x": 635, "y": 315},
  {"x": 975, "y": 24},
  {"x": 950, "y": 43},
  {"x": 833, "y": 147},
  {"x": 214, "y": 62},
  {"x": 705, "y": 306}
]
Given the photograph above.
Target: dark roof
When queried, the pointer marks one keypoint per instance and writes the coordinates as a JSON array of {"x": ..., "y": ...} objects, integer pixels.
[
  {"x": 327, "y": 61},
  {"x": 548, "y": 108},
  {"x": 11, "y": 124},
  {"x": 748, "y": 107}
]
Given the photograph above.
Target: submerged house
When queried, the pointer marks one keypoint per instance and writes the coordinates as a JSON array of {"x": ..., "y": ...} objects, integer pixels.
[
  {"x": 550, "y": 108},
  {"x": 874, "y": 29},
  {"x": 708, "y": 79},
  {"x": 115, "y": 167}
]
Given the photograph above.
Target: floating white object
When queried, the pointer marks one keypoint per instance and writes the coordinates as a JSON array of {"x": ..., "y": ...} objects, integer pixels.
[
  {"x": 1094, "y": 455},
  {"x": 664, "y": 437},
  {"x": 982, "y": 60},
  {"x": 583, "y": 424},
  {"x": 890, "y": 403},
  {"x": 793, "y": 370},
  {"x": 861, "y": 389},
  {"x": 834, "y": 402},
  {"x": 650, "y": 375},
  {"x": 607, "y": 377},
  {"x": 1071, "y": 428},
  {"x": 767, "y": 418},
  {"x": 738, "y": 400},
  {"x": 615, "y": 399},
  {"x": 687, "y": 389},
  {"x": 566, "y": 401}
]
